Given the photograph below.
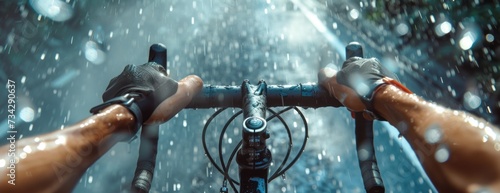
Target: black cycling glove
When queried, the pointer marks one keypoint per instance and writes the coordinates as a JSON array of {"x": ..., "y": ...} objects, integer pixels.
[
  {"x": 147, "y": 84},
  {"x": 364, "y": 76}
]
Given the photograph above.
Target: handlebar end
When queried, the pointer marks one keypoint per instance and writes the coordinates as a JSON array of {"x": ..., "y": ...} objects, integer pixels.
[
  {"x": 354, "y": 49},
  {"x": 158, "y": 54}
]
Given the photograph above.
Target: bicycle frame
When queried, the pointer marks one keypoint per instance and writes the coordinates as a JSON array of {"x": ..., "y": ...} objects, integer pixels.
[{"x": 253, "y": 157}]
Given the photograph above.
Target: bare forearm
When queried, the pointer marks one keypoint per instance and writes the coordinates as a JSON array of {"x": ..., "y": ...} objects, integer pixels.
[
  {"x": 55, "y": 162},
  {"x": 458, "y": 151}
]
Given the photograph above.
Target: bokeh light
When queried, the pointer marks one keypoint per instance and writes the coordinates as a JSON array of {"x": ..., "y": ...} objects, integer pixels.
[
  {"x": 443, "y": 28},
  {"x": 54, "y": 9},
  {"x": 27, "y": 114},
  {"x": 93, "y": 53}
]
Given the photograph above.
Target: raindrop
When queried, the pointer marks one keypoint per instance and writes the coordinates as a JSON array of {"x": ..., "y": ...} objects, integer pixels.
[
  {"x": 359, "y": 85},
  {"x": 93, "y": 53},
  {"x": 402, "y": 29},
  {"x": 490, "y": 38},
  {"x": 467, "y": 40},
  {"x": 27, "y": 149},
  {"x": 354, "y": 14},
  {"x": 56, "y": 10},
  {"x": 184, "y": 123},
  {"x": 433, "y": 134},
  {"x": 27, "y": 114},
  {"x": 485, "y": 138},
  {"x": 381, "y": 148},
  {"x": 41, "y": 146},
  {"x": 471, "y": 101},
  {"x": 420, "y": 180},
  {"x": 443, "y": 28},
  {"x": 363, "y": 154},
  {"x": 442, "y": 154}
]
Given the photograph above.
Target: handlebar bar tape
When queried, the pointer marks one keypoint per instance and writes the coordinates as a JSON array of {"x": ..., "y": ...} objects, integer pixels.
[
  {"x": 366, "y": 155},
  {"x": 364, "y": 140},
  {"x": 147, "y": 159}
]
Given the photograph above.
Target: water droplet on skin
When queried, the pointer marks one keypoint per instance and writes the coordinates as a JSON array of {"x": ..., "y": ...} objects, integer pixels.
[
  {"x": 497, "y": 146},
  {"x": 433, "y": 134},
  {"x": 402, "y": 127},
  {"x": 485, "y": 138},
  {"x": 442, "y": 154}
]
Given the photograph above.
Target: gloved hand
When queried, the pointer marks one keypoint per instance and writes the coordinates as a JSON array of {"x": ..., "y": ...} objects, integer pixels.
[
  {"x": 354, "y": 85},
  {"x": 148, "y": 83}
]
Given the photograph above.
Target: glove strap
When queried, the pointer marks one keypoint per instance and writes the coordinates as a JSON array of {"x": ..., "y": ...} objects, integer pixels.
[
  {"x": 128, "y": 101},
  {"x": 368, "y": 99}
]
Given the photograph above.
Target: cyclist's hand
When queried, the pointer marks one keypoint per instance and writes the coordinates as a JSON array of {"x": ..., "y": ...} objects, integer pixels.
[
  {"x": 161, "y": 97},
  {"x": 355, "y": 83}
]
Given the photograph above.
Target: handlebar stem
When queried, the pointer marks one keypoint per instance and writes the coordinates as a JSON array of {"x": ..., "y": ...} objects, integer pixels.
[{"x": 254, "y": 158}]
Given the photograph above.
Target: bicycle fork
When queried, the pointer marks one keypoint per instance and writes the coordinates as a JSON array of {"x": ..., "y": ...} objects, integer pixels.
[{"x": 254, "y": 158}]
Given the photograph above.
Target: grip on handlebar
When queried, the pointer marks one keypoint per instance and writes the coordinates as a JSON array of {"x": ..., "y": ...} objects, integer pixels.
[{"x": 364, "y": 140}]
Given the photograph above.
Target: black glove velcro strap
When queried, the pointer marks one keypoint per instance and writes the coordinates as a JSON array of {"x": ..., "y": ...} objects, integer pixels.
[{"x": 128, "y": 101}]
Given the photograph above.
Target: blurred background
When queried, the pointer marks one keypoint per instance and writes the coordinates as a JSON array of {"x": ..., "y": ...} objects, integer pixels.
[{"x": 62, "y": 54}]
